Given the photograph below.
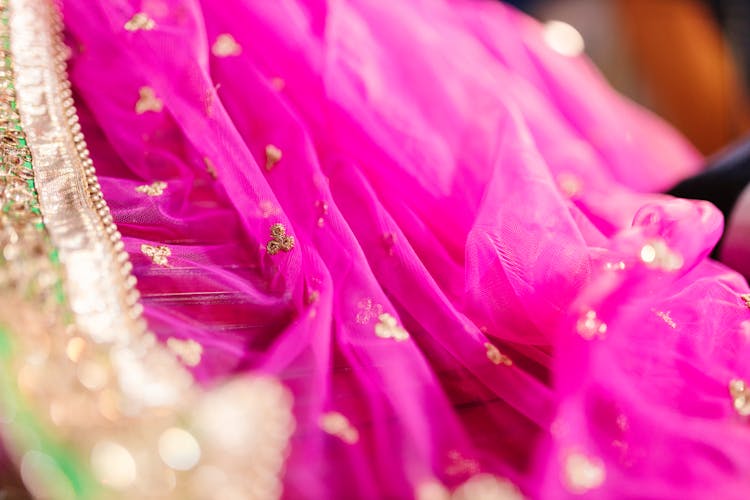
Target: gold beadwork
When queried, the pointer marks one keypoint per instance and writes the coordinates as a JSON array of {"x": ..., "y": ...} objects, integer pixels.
[
  {"x": 226, "y": 46},
  {"x": 336, "y": 424},
  {"x": 140, "y": 21},
  {"x": 148, "y": 101},
  {"x": 746, "y": 298},
  {"x": 388, "y": 328},
  {"x": 582, "y": 473},
  {"x": 494, "y": 355},
  {"x": 157, "y": 254},
  {"x": 367, "y": 310},
  {"x": 155, "y": 189},
  {"x": 740, "y": 393},
  {"x": 279, "y": 240},
  {"x": 189, "y": 351},
  {"x": 590, "y": 326},
  {"x": 273, "y": 156}
]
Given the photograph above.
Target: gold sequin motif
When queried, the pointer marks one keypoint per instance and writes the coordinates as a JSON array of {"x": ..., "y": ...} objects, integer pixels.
[
  {"x": 189, "y": 351},
  {"x": 148, "y": 101},
  {"x": 494, "y": 355},
  {"x": 226, "y": 46},
  {"x": 280, "y": 241},
  {"x": 155, "y": 189},
  {"x": 140, "y": 22},
  {"x": 667, "y": 318},
  {"x": 746, "y": 299},
  {"x": 273, "y": 156},
  {"x": 336, "y": 424},
  {"x": 740, "y": 393},
  {"x": 388, "y": 328},
  {"x": 157, "y": 254}
]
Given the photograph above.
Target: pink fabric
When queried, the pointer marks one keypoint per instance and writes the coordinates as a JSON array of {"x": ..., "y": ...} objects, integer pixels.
[{"x": 479, "y": 188}]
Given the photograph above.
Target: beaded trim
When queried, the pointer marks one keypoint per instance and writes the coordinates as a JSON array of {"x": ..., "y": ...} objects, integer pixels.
[{"x": 92, "y": 405}]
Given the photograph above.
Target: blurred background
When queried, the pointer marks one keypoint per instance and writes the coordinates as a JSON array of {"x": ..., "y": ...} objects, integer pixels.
[{"x": 686, "y": 60}]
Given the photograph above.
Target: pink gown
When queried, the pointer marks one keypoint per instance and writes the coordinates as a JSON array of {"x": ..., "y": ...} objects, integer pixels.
[{"x": 443, "y": 237}]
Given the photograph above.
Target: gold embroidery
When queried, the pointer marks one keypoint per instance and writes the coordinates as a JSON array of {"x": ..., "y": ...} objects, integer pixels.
[
  {"x": 140, "y": 21},
  {"x": 746, "y": 299},
  {"x": 388, "y": 328},
  {"x": 273, "y": 156},
  {"x": 143, "y": 418},
  {"x": 189, "y": 351},
  {"x": 590, "y": 327},
  {"x": 667, "y": 318},
  {"x": 487, "y": 487},
  {"x": 279, "y": 240},
  {"x": 459, "y": 465},
  {"x": 226, "y": 46},
  {"x": 210, "y": 169},
  {"x": 740, "y": 393},
  {"x": 583, "y": 473},
  {"x": 322, "y": 208},
  {"x": 336, "y": 424},
  {"x": 657, "y": 254},
  {"x": 494, "y": 355},
  {"x": 367, "y": 310},
  {"x": 389, "y": 241},
  {"x": 312, "y": 296},
  {"x": 148, "y": 101},
  {"x": 155, "y": 189},
  {"x": 157, "y": 254}
]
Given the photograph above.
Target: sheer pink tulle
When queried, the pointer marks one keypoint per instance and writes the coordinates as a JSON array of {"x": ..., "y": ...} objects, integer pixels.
[{"x": 442, "y": 165}]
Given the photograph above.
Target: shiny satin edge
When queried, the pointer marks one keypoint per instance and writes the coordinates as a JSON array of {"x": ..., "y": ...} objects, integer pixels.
[{"x": 99, "y": 396}]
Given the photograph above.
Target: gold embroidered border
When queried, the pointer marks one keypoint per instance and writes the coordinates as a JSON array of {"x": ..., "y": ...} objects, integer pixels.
[{"x": 102, "y": 387}]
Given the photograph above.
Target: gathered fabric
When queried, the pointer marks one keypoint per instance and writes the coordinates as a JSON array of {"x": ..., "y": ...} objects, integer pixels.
[{"x": 444, "y": 237}]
